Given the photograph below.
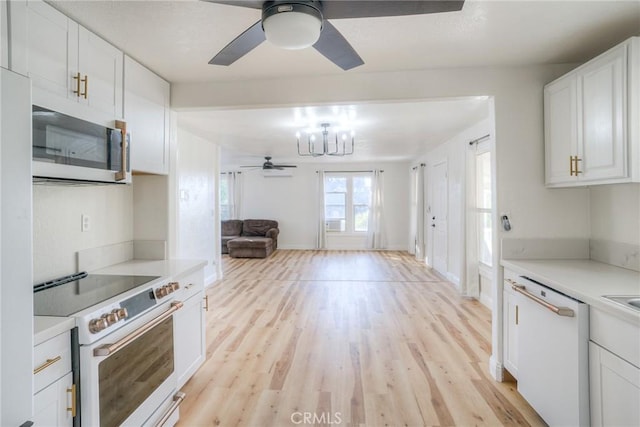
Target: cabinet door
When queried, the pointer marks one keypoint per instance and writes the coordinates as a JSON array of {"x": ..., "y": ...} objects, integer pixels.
[
  {"x": 102, "y": 65},
  {"x": 603, "y": 151},
  {"x": 510, "y": 332},
  {"x": 614, "y": 389},
  {"x": 146, "y": 110},
  {"x": 53, "y": 405},
  {"x": 51, "y": 52},
  {"x": 561, "y": 129},
  {"x": 189, "y": 338}
]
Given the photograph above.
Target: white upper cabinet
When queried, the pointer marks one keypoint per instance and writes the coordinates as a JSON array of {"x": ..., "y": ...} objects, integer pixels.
[
  {"x": 591, "y": 136},
  {"x": 73, "y": 70},
  {"x": 146, "y": 110}
]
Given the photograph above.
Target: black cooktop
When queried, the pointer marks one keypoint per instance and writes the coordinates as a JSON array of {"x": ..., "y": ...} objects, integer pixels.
[{"x": 71, "y": 294}]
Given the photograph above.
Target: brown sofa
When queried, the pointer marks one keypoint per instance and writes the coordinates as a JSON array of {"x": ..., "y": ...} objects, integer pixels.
[{"x": 251, "y": 238}]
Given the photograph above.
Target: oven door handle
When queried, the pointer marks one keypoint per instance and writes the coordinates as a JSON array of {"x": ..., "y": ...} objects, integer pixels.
[
  {"x": 109, "y": 349},
  {"x": 177, "y": 400}
]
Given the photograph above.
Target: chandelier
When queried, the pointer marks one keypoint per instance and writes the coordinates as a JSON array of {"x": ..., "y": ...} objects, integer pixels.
[{"x": 338, "y": 146}]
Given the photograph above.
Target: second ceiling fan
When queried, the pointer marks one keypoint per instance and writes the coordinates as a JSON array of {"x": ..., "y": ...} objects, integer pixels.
[{"x": 296, "y": 24}]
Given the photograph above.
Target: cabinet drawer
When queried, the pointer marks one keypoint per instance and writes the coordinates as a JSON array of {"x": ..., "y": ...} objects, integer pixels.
[
  {"x": 190, "y": 284},
  {"x": 51, "y": 361}
]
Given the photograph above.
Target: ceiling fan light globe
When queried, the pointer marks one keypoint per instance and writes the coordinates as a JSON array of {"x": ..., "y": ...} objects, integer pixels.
[{"x": 292, "y": 30}]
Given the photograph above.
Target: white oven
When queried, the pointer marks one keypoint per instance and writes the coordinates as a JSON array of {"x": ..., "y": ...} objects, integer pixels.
[
  {"x": 123, "y": 353},
  {"x": 128, "y": 376}
]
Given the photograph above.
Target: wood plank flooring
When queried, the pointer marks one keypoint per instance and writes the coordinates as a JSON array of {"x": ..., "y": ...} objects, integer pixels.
[{"x": 350, "y": 338}]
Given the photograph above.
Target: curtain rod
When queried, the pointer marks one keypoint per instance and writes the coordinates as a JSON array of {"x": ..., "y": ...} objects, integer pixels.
[
  {"x": 421, "y": 165},
  {"x": 348, "y": 171},
  {"x": 482, "y": 138}
]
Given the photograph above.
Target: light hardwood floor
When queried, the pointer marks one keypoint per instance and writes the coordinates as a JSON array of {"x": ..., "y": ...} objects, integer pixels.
[{"x": 346, "y": 338}]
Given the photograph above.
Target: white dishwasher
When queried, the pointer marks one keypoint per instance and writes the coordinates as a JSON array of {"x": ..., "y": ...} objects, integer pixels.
[{"x": 553, "y": 353}]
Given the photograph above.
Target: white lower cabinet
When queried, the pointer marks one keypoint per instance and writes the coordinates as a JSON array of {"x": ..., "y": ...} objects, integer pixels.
[
  {"x": 615, "y": 389},
  {"x": 510, "y": 330},
  {"x": 189, "y": 333},
  {"x": 54, "y": 401},
  {"x": 53, "y": 405}
]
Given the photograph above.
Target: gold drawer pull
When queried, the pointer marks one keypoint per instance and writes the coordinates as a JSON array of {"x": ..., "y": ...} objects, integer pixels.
[
  {"x": 206, "y": 303},
  {"x": 46, "y": 364},
  {"x": 73, "y": 409}
]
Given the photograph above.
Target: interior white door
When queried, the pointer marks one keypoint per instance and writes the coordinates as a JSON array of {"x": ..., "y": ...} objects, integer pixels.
[{"x": 438, "y": 217}]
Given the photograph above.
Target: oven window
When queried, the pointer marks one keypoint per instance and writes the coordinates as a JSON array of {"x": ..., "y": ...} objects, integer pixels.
[{"x": 132, "y": 374}]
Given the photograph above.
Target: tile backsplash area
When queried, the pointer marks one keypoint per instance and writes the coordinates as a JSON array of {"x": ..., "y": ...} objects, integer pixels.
[{"x": 57, "y": 224}]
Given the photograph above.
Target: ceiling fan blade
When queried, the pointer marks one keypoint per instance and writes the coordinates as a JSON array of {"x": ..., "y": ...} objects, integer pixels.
[
  {"x": 252, "y": 166},
  {"x": 336, "y": 48},
  {"x": 252, "y": 4},
  {"x": 375, "y": 8},
  {"x": 240, "y": 46},
  {"x": 285, "y": 166}
]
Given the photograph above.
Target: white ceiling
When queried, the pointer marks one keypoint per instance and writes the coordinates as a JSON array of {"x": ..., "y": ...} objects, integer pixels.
[{"x": 177, "y": 38}]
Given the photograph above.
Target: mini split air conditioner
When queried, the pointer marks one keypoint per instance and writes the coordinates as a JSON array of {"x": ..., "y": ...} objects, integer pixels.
[{"x": 276, "y": 173}]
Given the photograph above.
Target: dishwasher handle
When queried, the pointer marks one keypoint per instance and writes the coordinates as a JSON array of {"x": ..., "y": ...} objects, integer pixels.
[{"x": 560, "y": 311}]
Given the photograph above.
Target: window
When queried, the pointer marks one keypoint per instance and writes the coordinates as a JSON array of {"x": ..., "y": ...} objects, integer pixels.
[
  {"x": 347, "y": 202},
  {"x": 483, "y": 207},
  {"x": 225, "y": 203}
]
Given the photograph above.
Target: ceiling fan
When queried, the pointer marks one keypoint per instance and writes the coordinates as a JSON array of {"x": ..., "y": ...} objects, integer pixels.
[
  {"x": 296, "y": 24},
  {"x": 268, "y": 165}
]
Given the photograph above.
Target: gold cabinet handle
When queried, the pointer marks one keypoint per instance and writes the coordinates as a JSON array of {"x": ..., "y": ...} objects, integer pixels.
[
  {"x": 206, "y": 303},
  {"x": 73, "y": 409},
  {"x": 86, "y": 86},
  {"x": 577, "y": 171},
  {"x": 517, "y": 315},
  {"x": 46, "y": 364},
  {"x": 560, "y": 311},
  {"x": 571, "y": 171},
  {"x": 78, "y": 81}
]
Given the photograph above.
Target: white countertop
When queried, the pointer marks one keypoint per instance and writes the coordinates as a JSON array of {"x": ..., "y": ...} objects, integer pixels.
[
  {"x": 47, "y": 327},
  {"x": 585, "y": 280},
  {"x": 164, "y": 268}
]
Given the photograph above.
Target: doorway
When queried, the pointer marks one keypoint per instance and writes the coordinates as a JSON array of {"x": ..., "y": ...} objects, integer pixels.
[{"x": 438, "y": 217}]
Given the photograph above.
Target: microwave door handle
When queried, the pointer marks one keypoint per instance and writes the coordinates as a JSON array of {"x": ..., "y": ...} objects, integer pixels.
[{"x": 121, "y": 175}]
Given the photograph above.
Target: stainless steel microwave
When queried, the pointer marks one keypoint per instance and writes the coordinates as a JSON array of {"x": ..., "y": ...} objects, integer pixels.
[{"x": 68, "y": 148}]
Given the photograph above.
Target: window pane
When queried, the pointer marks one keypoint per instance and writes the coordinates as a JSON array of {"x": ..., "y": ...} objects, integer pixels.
[
  {"x": 333, "y": 184},
  {"x": 335, "y": 199},
  {"x": 483, "y": 180},
  {"x": 361, "y": 218},
  {"x": 224, "y": 212},
  {"x": 362, "y": 190},
  {"x": 334, "y": 212},
  {"x": 224, "y": 190},
  {"x": 484, "y": 238}
]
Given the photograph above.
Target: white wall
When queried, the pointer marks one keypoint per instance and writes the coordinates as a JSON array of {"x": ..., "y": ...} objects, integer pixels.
[
  {"x": 197, "y": 173},
  {"x": 57, "y": 234},
  {"x": 292, "y": 202},
  {"x": 615, "y": 213}
]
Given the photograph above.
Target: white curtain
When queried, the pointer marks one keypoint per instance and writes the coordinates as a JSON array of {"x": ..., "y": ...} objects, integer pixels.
[
  {"x": 419, "y": 217},
  {"x": 376, "y": 238},
  {"x": 234, "y": 185},
  {"x": 471, "y": 281},
  {"x": 321, "y": 237}
]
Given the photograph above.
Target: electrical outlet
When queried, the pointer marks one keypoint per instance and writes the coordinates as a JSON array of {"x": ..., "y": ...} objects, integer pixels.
[{"x": 86, "y": 222}]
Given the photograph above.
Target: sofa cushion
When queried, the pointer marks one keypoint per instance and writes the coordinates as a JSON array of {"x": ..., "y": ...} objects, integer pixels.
[
  {"x": 231, "y": 227},
  {"x": 257, "y": 227},
  {"x": 250, "y": 242}
]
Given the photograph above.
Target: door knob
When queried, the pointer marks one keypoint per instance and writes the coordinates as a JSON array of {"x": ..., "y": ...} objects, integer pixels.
[{"x": 433, "y": 225}]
